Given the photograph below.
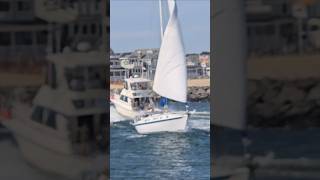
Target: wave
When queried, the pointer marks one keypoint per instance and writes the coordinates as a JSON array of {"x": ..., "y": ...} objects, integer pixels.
[
  {"x": 200, "y": 124},
  {"x": 115, "y": 116}
]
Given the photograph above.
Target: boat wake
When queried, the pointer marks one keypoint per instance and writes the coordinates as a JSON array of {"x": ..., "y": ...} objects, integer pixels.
[
  {"x": 115, "y": 116},
  {"x": 199, "y": 121}
]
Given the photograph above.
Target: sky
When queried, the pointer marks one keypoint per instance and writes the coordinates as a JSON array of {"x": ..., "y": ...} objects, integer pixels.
[{"x": 135, "y": 24}]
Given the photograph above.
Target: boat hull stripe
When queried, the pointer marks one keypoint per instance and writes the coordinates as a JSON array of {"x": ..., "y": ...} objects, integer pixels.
[{"x": 157, "y": 121}]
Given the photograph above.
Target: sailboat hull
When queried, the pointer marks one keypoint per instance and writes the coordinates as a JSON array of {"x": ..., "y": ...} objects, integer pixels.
[{"x": 164, "y": 122}]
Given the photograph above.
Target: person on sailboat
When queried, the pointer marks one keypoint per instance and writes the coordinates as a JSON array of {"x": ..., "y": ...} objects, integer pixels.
[
  {"x": 151, "y": 104},
  {"x": 164, "y": 103}
]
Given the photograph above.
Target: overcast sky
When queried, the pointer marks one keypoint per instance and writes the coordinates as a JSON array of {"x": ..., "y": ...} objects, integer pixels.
[{"x": 135, "y": 24}]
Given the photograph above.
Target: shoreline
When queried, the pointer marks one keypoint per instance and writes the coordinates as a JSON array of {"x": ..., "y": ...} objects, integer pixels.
[{"x": 198, "y": 89}]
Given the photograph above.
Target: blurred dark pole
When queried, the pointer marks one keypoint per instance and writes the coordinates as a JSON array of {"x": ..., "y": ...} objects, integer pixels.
[
  {"x": 229, "y": 55},
  {"x": 106, "y": 50}
]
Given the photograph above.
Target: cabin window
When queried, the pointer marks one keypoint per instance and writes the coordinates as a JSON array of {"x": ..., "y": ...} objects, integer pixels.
[
  {"x": 51, "y": 119},
  {"x": 96, "y": 77},
  {"x": 76, "y": 29},
  {"x": 103, "y": 120},
  {"x": 93, "y": 29},
  {"x": 84, "y": 29},
  {"x": 41, "y": 37},
  {"x": 52, "y": 79},
  {"x": 85, "y": 123},
  {"x": 75, "y": 78},
  {"x": 4, "y": 38},
  {"x": 23, "y": 38},
  {"x": 80, "y": 78},
  {"x": 37, "y": 114},
  {"x": 139, "y": 86},
  {"x": 78, "y": 103},
  {"x": 24, "y": 6},
  {"x": 124, "y": 98},
  {"x": 89, "y": 103}
]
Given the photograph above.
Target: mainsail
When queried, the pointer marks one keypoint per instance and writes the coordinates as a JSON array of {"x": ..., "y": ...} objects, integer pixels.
[{"x": 171, "y": 73}]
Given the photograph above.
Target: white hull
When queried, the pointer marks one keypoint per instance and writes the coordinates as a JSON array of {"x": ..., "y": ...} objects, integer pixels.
[
  {"x": 164, "y": 122},
  {"x": 125, "y": 111},
  {"x": 53, "y": 157},
  {"x": 66, "y": 165}
]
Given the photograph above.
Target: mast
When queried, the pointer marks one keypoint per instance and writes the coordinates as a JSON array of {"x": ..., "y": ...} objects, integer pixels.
[{"x": 161, "y": 24}]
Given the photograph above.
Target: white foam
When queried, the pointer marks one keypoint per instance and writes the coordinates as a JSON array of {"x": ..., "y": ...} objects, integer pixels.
[
  {"x": 134, "y": 136},
  {"x": 115, "y": 116}
]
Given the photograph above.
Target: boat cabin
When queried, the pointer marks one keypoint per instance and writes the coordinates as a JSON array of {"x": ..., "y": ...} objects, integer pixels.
[
  {"x": 136, "y": 93},
  {"x": 73, "y": 102}
]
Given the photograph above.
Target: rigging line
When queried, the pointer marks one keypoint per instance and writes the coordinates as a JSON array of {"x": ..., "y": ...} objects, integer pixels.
[{"x": 161, "y": 20}]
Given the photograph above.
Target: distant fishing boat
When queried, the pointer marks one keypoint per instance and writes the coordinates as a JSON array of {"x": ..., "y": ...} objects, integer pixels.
[
  {"x": 170, "y": 80},
  {"x": 133, "y": 97}
]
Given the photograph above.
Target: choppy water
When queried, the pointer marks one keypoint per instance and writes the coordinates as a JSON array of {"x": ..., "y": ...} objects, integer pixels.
[{"x": 184, "y": 155}]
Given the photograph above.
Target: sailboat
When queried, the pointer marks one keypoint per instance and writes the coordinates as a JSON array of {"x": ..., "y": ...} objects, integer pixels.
[{"x": 170, "y": 80}]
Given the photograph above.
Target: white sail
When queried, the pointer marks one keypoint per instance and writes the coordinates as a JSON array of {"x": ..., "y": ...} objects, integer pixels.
[
  {"x": 229, "y": 55},
  {"x": 171, "y": 73}
]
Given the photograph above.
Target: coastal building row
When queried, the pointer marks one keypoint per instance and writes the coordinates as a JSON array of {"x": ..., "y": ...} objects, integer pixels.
[
  {"x": 283, "y": 26},
  {"x": 24, "y": 36},
  {"x": 143, "y": 62}
]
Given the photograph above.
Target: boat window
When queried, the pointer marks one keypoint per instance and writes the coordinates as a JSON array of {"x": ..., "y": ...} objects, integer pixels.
[
  {"x": 52, "y": 73},
  {"x": 80, "y": 78},
  {"x": 78, "y": 103},
  {"x": 37, "y": 114},
  {"x": 89, "y": 103},
  {"x": 75, "y": 78},
  {"x": 103, "y": 120},
  {"x": 139, "y": 86},
  {"x": 133, "y": 86},
  {"x": 51, "y": 119},
  {"x": 125, "y": 85},
  {"x": 124, "y": 98},
  {"x": 96, "y": 77}
]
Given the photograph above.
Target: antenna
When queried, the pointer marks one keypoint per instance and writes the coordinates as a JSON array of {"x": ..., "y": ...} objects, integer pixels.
[{"x": 161, "y": 24}]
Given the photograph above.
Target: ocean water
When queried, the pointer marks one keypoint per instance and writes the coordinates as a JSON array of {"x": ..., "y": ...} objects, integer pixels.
[
  {"x": 183, "y": 155},
  {"x": 293, "y": 144}
]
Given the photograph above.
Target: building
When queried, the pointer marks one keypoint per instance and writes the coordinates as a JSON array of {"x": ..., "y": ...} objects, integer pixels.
[
  {"x": 143, "y": 62},
  {"x": 117, "y": 72},
  {"x": 204, "y": 58},
  {"x": 26, "y": 36},
  {"x": 275, "y": 27},
  {"x": 22, "y": 35}
]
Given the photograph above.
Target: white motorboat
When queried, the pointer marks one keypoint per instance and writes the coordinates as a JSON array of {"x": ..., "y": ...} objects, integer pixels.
[
  {"x": 133, "y": 98},
  {"x": 64, "y": 130},
  {"x": 170, "y": 79}
]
